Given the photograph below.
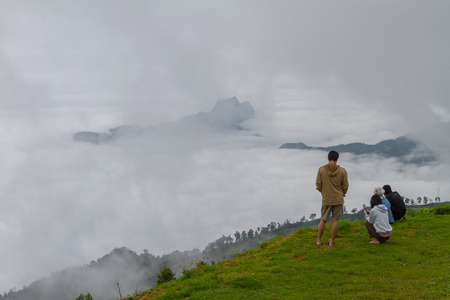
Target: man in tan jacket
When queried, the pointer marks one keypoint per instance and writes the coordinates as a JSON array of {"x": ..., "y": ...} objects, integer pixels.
[{"x": 332, "y": 183}]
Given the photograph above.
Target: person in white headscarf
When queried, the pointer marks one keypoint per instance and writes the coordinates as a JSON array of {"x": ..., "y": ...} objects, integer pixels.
[{"x": 380, "y": 191}]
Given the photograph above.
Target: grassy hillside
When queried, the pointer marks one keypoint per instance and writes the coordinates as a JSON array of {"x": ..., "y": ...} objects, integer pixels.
[{"x": 413, "y": 264}]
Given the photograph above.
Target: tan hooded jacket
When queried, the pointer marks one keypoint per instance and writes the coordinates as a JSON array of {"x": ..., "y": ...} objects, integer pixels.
[{"x": 332, "y": 182}]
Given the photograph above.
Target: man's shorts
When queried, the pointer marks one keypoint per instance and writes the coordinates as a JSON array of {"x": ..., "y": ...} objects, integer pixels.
[{"x": 337, "y": 212}]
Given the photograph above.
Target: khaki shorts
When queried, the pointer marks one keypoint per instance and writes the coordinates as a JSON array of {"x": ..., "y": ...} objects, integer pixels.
[{"x": 337, "y": 212}]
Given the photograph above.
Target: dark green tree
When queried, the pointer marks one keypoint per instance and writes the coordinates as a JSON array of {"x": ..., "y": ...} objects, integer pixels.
[
  {"x": 272, "y": 226},
  {"x": 237, "y": 235},
  {"x": 165, "y": 275},
  {"x": 264, "y": 230},
  {"x": 229, "y": 239},
  {"x": 84, "y": 297}
]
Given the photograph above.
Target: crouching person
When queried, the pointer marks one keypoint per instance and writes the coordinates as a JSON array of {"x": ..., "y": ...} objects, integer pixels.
[{"x": 378, "y": 221}]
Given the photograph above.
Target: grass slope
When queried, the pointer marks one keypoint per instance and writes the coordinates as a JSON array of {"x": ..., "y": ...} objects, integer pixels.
[{"x": 413, "y": 264}]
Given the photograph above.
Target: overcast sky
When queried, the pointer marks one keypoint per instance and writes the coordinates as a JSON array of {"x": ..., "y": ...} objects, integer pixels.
[{"x": 320, "y": 72}]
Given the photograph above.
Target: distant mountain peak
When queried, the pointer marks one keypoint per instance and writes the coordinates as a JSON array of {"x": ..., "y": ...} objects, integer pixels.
[
  {"x": 404, "y": 148},
  {"x": 233, "y": 101},
  {"x": 226, "y": 115},
  {"x": 113, "y": 134}
]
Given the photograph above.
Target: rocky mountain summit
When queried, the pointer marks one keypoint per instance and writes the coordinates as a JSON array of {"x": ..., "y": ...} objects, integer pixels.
[{"x": 226, "y": 115}]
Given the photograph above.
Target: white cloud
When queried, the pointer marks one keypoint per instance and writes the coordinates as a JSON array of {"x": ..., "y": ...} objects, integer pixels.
[
  {"x": 68, "y": 203},
  {"x": 318, "y": 72},
  {"x": 441, "y": 113}
]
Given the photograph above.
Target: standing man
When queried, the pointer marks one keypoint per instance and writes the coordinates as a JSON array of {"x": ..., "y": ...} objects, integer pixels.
[{"x": 332, "y": 183}]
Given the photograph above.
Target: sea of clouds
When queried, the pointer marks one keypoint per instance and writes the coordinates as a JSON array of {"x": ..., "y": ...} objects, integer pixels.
[
  {"x": 319, "y": 72},
  {"x": 65, "y": 203}
]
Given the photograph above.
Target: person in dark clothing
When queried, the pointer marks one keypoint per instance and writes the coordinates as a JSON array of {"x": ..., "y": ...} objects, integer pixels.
[{"x": 398, "y": 206}]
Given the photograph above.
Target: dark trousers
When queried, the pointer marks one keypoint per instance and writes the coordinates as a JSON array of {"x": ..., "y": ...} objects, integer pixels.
[
  {"x": 398, "y": 215},
  {"x": 374, "y": 234}
]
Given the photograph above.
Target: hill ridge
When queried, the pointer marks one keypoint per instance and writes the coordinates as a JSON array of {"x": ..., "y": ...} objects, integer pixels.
[
  {"x": 404, "y": 148},
  {"x": 138, "y": 271},
  {"x": 414, "y": 263}
]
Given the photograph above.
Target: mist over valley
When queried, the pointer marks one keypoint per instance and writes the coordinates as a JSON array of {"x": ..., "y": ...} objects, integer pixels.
[
  {"x": 157, "y": 125},
  {"x": 177, "y": 188}
]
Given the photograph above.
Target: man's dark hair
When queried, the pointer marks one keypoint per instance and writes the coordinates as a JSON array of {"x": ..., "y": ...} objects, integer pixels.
[
  {"x": 375, "y": 200},
  {"x": 333, "y": 155},
  {"x": 387, "y": 189}
]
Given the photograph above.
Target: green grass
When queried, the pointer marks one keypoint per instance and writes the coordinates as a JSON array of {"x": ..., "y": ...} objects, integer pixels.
[{"x": 413, "y": 264}]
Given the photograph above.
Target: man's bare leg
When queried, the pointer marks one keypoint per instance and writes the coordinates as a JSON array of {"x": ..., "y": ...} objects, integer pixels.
[
  {"x": 334, "y": 230},
  {"x": 320, "y": 231}
]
